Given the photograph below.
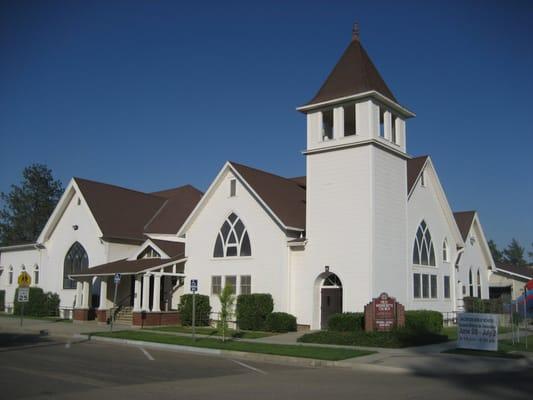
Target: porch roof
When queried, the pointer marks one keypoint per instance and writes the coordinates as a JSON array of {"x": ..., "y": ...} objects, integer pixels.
[{"x": 131, "y": 267}]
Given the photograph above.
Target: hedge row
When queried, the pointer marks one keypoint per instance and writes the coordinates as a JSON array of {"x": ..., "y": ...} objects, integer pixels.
[
  {"x": 491, "y": 306},
  {"x": 420, "y": 321},
  {"x": 40, "y": 304},
  {"x": 253, "y": 310},
  {"x": 202, "y": 310},
  {"x": 280, "y": 322}
]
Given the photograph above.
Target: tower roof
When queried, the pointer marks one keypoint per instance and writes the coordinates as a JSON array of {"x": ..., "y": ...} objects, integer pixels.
[{"x": 354, "y": 73}]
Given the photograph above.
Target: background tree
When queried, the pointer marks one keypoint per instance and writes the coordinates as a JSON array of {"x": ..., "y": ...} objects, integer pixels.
[
  {"x": 530, "y": 253},
  {"x": 514, "y": 253},
  {"x": 227, "y": 299},
  {"x": 496, "y": 253},
  {"x": 27, "y": 207}
]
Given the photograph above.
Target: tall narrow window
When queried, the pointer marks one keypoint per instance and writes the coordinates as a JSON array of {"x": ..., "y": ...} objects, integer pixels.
[
  {"x": 416, "y": 286},
  {"x": 232, "y": 239},
  {"x": 471, "y": 283},
  {"x": 445, "y": 251},
  {"x": 425, "y": 286},
  {"x": 246, "y": 284},
  {"x": 433, "y": 286},
  {"x": 382, "y": 122},
  {"x": 76, "y": 262},
  {"x": 36, "y": 275},
  {"x": 446, "y": 286},
  {"x": 327, "y": 125},
  {"x": 423, "y": 252},
  {"x": 232, "y": 282},
  {"x": 10, "y": 275},
  {"x": 232, "y": 187},
  {"x": 393, "y": 137},
  {"x": 216, "y": 284},
  {"x": 478, "y": 282},
  {"x": 349, "y": 120}
]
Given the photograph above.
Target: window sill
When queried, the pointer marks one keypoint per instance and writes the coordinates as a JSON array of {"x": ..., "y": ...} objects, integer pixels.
[
  {"x": 231, "y": 258},
  {"x": 425, "y": 266}
]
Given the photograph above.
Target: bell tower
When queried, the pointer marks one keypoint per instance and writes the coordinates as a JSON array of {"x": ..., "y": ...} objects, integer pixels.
[{"x": 356, "y": 184}]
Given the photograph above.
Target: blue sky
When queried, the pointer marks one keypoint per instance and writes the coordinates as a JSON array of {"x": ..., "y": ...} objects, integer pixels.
[{"x": 155, "y": 94}]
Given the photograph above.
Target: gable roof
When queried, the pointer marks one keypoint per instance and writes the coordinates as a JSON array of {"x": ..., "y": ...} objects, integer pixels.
[
  {"x": 414, "y": 168},
  {"x": 285, "y": 197},
  {"x": 525, "y": 272},
  {"x": 464, "y": 220},
  {"x": 172, "y": 214},
  {"x": 354, "y": 73},
  {"x": 172, "y": 249}
]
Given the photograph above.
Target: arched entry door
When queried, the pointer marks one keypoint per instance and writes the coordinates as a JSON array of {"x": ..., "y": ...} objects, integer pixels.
[{"x": 330, "y": 299}]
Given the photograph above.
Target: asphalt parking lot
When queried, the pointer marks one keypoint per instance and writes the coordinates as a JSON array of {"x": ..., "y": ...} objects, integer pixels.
[{"x": 41, "y": 367}]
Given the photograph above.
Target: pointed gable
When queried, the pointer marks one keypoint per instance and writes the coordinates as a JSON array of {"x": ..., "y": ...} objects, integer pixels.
[
  {"x": 353, "y": 74},
  {"x": 414, "y": 168},
  {"x": 464, "y": 220}
]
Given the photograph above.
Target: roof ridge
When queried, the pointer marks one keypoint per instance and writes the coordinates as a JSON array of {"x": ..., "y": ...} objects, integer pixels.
[
  {"x": 265, "y": 172},
  {"x": 174, "y": 188},
  {"x": 114, "y": 186}
]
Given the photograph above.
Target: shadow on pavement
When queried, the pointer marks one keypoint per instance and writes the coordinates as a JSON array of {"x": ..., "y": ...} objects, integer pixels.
[{"x": 22, "y": 341}]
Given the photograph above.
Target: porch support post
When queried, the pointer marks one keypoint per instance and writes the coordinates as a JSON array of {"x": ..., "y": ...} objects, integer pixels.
[
  {"x": 156, "y": 294},
  {"x": 103, "y": 293},
  {"x": 146, "y": 293},
  {"x": 137, "y": 293},
  {"x": 86, "y": 294},
  {"x": 79, "y": 294}
]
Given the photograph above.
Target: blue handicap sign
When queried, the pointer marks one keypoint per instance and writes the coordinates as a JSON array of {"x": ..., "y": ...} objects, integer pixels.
[{"x": 194, "y": 285}]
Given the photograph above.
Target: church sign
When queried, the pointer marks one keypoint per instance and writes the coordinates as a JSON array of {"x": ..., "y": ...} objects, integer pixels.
[
  {"x": 477, "y": 331},
  {"x": 383, "y": 314}
]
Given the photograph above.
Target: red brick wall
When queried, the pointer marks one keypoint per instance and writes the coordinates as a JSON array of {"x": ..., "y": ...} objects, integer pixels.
[
  {"x": 156, "y": 318},
  {"x": 81, "y": 314},
  {"x": 102, "y": 315}
]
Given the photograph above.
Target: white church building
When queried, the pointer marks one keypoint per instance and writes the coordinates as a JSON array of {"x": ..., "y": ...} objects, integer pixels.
[{"x": 367, "y": 218}]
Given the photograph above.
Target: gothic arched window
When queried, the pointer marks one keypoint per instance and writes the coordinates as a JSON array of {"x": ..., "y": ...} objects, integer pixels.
[
  {"x": 471, "y": 283},
  {"x": 76, "y": 262},
  {"x": 423, "y": 252},
  {"x": 445, "y": 251},
  {"x": 478, "y": 282},
  {"x": 232, "y": 239}
]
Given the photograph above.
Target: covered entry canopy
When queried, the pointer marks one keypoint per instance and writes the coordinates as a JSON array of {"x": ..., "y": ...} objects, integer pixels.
[{"x": 133, "y": 267}]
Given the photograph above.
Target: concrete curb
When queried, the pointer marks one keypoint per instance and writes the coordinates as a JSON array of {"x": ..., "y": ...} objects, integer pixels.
[{"x": 257, "y": 357}]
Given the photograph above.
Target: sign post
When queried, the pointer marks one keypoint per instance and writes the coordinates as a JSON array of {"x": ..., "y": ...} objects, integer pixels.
[
  {"x": 116, "y": 279},
  {"x": 194, "y": 289},
  {"x": 24, "y": 281}
]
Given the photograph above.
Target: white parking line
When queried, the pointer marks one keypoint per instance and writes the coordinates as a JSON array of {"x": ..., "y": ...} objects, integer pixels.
[
  {"x": 249, "y": 367},
  {"x": 148, "y": 355}
]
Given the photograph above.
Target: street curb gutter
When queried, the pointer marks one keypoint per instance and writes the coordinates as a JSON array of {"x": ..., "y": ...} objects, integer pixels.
[{"x": 258, "y": 357}]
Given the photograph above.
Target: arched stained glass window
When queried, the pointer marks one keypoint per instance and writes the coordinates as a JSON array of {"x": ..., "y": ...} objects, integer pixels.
[
  {"x": 423, "y": 252},
  {"x": 76, "y": 262},
  {"x": 232, "y": 239}
]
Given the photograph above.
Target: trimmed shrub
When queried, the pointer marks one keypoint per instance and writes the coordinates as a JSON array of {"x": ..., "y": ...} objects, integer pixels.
[
  {"x": 253, "y": 309},
  {"x": 202, "y": 309},
  {"x": 346, "y": 322},
  {"x": 422, "y": 321},
  {"x": 40, "y": 304},
  {"x": 280, "y": 322},
  {"x": 394, "y": 339}
]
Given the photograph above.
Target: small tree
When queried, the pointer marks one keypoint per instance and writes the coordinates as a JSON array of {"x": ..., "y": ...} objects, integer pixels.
[
  {"x": 496, "y": 253},
  {"x": 514, "y": 254},
  {"x": 227, "y": 300}
]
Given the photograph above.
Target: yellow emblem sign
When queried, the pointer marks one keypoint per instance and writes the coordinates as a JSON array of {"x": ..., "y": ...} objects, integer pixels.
[{"x": 24, "y": 279}]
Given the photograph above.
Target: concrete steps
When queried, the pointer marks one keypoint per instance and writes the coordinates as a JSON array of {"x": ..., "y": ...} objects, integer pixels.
[{"x": 125, "y": 315}]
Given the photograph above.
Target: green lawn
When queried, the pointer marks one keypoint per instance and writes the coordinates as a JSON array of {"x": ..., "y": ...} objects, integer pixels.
[
  {"x": 210, "y": 331},
  {"x": 49, "y": 319},
  {"x": 319, "y": 353},
  {"x": 507, "y": 345}
]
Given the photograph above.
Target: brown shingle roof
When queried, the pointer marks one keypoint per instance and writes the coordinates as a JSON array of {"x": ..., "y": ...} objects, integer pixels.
[
  {"x": 177, "y": 207},
  {"x": 526, "y": 270},
  {"x": 464, "y": 221},
  {"x": 354, "y": 73},
  {"x": 170, "y": 248},
  {"x": 125, "y": 266},
  {"x": 125, "y": 214},
  {"x": 285, "y": 197},
  {"x": 414, "y": 167}
]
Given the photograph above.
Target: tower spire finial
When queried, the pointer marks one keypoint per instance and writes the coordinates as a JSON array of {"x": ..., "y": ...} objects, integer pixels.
[{"x": 355, "y": 32}]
